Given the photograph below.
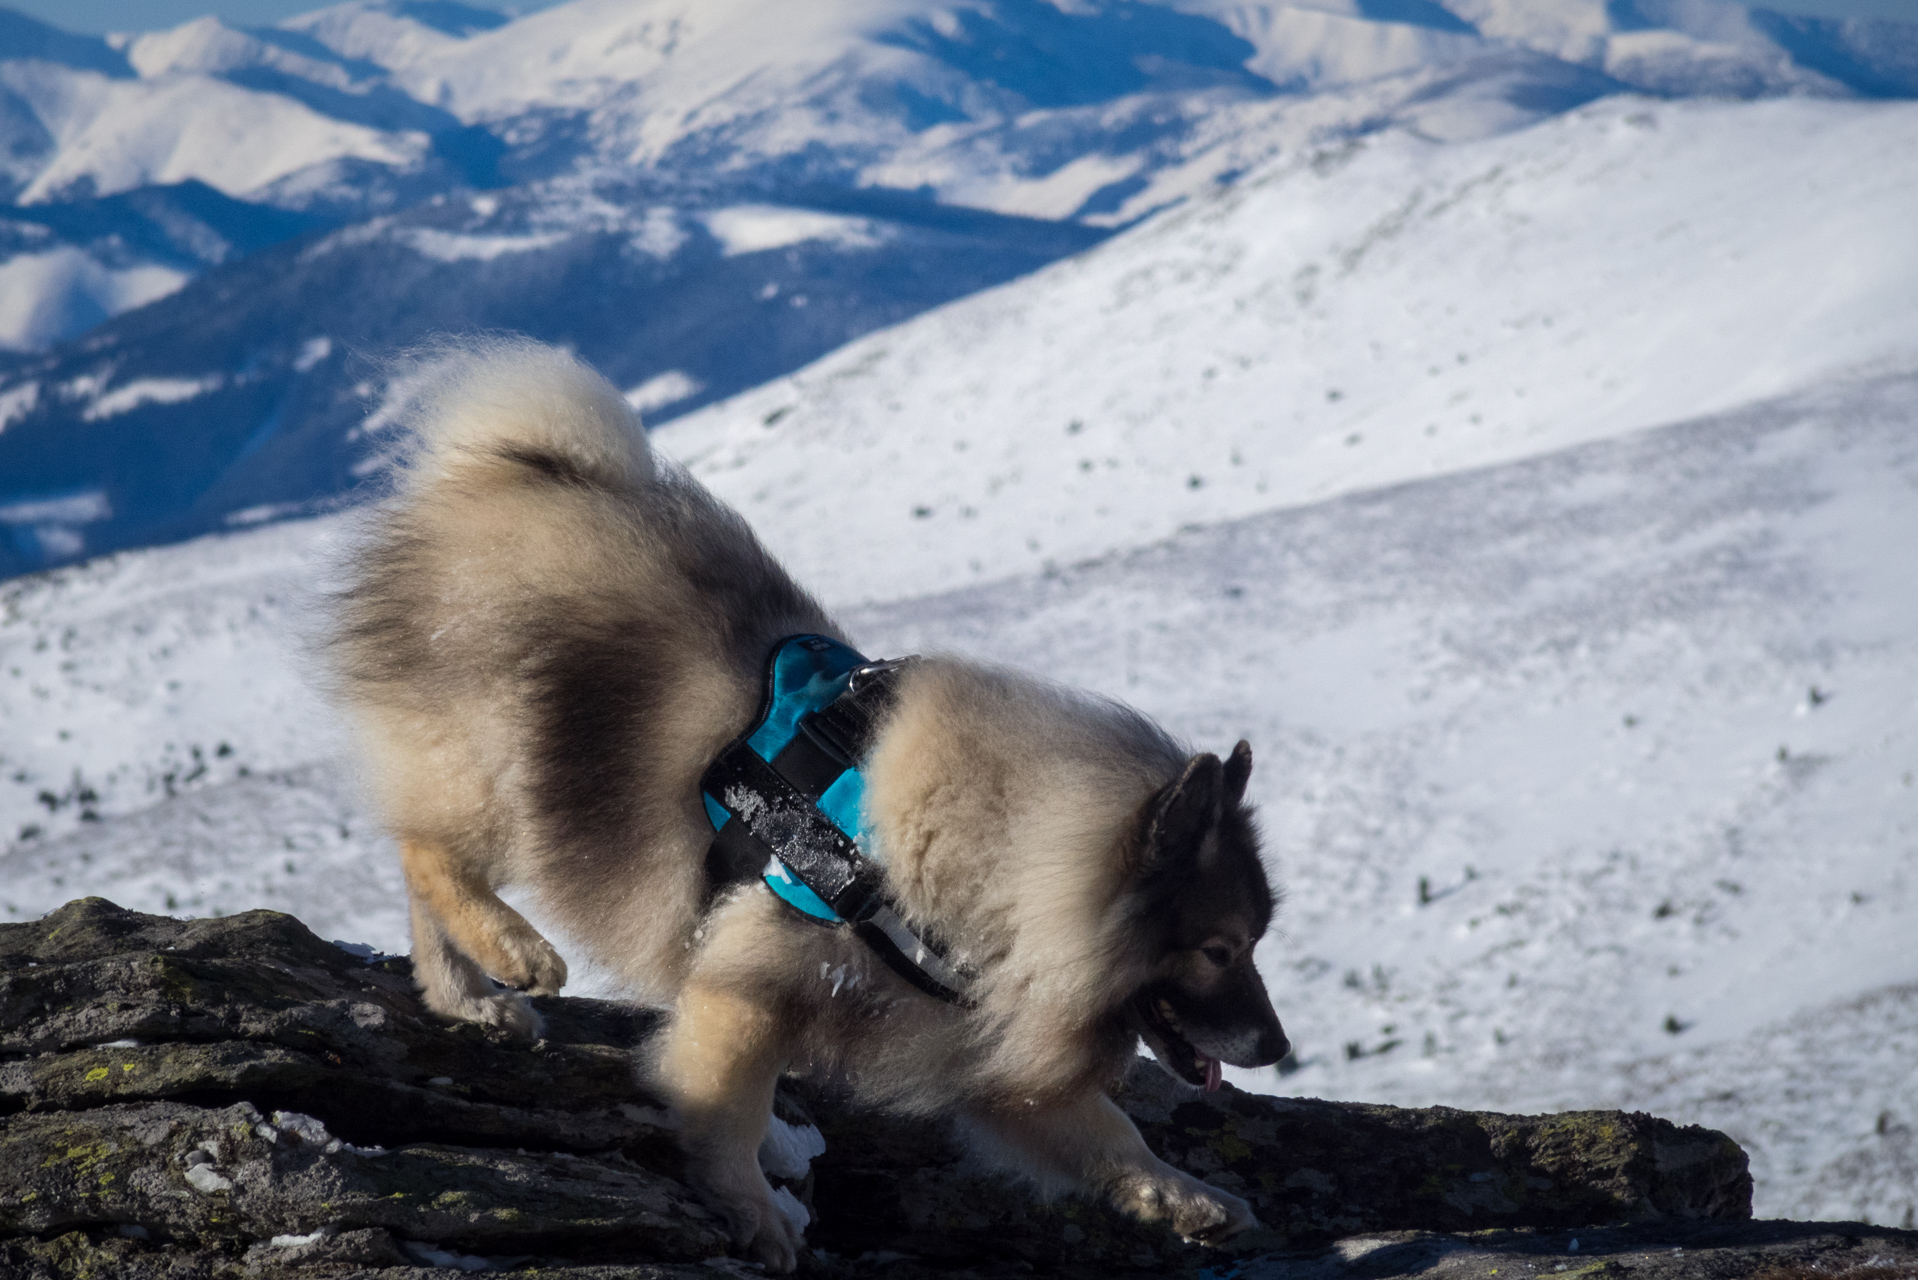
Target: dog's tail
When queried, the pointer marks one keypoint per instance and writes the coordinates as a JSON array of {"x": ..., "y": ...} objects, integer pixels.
[{"x": 494, "y": 407}]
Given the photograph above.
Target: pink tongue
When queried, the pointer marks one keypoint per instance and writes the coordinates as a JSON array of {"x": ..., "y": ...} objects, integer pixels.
[{"x": 1213, "y": 1075}]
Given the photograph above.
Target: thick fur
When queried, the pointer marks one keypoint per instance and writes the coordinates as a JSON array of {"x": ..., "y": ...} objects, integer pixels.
[{"x": 550, "y": 634}]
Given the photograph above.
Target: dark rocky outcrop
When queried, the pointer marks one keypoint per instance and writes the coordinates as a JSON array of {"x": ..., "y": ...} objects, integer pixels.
[{"x": 237, "y": 1097}]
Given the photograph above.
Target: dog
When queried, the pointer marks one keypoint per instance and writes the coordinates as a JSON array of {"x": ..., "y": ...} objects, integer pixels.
[{"x": 547, "y": 635}]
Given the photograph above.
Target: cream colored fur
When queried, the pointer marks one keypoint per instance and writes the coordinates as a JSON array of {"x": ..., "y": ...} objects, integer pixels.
[{"x": 532, "y": 556}]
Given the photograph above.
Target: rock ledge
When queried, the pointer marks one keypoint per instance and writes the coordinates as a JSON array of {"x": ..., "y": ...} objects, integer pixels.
[{"x": 237, "y": 1097}]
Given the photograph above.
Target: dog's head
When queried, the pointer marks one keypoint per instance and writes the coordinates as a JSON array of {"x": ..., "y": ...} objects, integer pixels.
[{"x": 1203, "y": 902}]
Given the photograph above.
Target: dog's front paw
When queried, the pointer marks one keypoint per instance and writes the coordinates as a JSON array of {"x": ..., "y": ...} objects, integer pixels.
[
  {"x": 776, "y": 1243},
  {"x": 1196, "y": 1210},
  {"x": 759, "y": 1228},
  {"x": 1212, "y": 1215}
]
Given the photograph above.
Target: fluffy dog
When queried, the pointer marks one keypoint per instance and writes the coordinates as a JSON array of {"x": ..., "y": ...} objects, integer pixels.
[{"x": 548, "y": 636}]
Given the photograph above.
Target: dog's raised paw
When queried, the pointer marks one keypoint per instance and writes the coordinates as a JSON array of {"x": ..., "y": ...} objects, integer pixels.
[
  {"x": 546, "y": 973},
  {"x": 527, "y": 962}
]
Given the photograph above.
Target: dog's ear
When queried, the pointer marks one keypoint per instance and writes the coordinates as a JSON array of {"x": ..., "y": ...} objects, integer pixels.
[
  {"x": 1180, "y": 814},
  {"x": 1238, "y": 771}
]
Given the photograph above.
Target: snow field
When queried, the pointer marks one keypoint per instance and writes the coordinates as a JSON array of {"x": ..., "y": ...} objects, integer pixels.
[
  {"x": 115, "y": 135},
  {"x": 62, "y": 292},
  {"x": 167, "y": 745},
  {"x": 1519, "y": 738},
  {"x": 1385, "y": 311}
]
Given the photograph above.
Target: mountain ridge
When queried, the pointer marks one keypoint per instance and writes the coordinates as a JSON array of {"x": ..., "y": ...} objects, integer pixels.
[{"x": 561, "y": 173}]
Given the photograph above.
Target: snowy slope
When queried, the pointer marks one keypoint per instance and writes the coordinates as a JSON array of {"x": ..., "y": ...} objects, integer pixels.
[
  {"x": 395, "y": 117},
  {"x": 1558, "y": 750},
  {"x": 1373, "y": 313},
  {"x": 203, "y": 105},
  {"x": 1020, "y": 105},
  {"x": 61, "y": 291},
  {"x": 169, "y": 743},
  {"x": 65, "y": 268},
  {"x": 276, "y": 118},
  {"x": 115, "y": 135},
  {"x": 390, "y": 34},
  {"x": 1698, "y": 46},
  {"x": 1519, "y": 733},
  {"x": 243, "y": 394},
  {"x": 182, "y": 115},
  {"x": 1099, "y": 111}
]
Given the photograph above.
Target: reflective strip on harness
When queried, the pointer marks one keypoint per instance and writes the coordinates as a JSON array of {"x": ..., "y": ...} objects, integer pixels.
[
  {"x": 816, "y": 852},
  {"x": 917, "y": 953}
]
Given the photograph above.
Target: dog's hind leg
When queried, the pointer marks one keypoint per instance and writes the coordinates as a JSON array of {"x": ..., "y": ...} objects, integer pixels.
[
  {"x": 454, "y": 987},
  {"x": 461, "y": 933},
  {"x": 1090, "y": 1145},
  {"x": 718, "y": 1064}
]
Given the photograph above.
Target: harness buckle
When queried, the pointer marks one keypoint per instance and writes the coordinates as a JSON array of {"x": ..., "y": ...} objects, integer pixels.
[{"x": 865, "y": 672}]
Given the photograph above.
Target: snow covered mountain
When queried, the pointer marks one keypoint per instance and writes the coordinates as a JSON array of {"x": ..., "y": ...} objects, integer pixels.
[
  {"x": 1340, "y": 320},
  {"x": 272, "y": 127},
  {"x": 217, "y": 233}
]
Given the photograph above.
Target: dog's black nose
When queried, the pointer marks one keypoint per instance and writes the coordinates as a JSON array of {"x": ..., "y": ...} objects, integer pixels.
[{"x": 1273, "y": 1045}]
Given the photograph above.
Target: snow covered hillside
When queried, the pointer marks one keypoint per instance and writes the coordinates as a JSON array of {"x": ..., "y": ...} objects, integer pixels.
[
  {"x": 1589, "y": 775},
  {"x": 1592, "y": 779},
  {"x": 1347, "y": 318},
  {"x": 250, "y": 220}
]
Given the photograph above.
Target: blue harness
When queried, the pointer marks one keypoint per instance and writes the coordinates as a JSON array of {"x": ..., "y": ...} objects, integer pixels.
[{"x": 787, "y": 803}]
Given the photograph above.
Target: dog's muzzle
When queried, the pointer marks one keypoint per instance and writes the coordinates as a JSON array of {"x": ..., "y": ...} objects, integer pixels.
[{"x": 1178, "y": 1056}]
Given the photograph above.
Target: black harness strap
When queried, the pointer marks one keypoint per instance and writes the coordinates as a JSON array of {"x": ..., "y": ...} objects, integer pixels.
[
  {"x": 774, "y": 816},
  {"x": 844, "y": 728},
  {"x": 784, "y": 819}
]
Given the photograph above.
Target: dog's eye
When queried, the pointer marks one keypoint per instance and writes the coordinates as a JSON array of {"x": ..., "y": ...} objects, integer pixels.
[{"x": 1217, "y": 955}]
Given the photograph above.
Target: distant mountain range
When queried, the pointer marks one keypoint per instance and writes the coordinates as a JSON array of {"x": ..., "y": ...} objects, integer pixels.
[{"x": 215, "y": 236}]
